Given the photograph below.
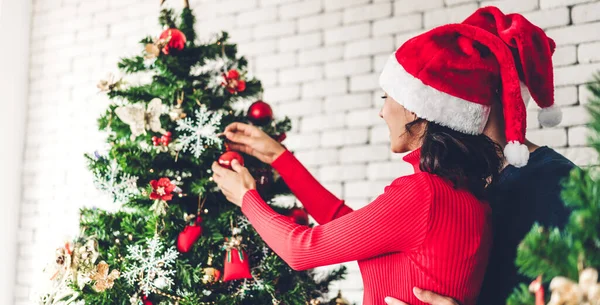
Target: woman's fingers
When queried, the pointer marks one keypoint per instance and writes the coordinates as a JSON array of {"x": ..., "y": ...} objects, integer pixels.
[
  {"x": 238, "y": 137},
  {"x": 241, "y": 148},
  {"x": 238, "y": 127},
  {"x": 236, "y": 166}
]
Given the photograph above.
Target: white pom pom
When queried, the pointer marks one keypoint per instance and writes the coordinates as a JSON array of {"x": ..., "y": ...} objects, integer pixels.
[
  {"x": 550, "y": 117},
  {"x": 516, "y": 154}
]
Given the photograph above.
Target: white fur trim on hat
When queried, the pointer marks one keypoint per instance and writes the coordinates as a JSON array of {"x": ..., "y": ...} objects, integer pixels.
[
  {"x": 516, "y": 154},
  {"x": 550, "y": 116},
  {"x": 431, "y": 104}
]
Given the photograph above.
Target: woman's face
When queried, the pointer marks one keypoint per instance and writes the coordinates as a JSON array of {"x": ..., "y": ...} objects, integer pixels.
[{"x": 396, "y": 117}]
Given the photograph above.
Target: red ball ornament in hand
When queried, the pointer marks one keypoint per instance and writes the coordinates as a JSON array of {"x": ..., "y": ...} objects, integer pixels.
[
  {"x": 226, "y": 158},
  {"x": 260, "y": 113},
  {"x": 299, "y": 216},
  {"x": 176, "y": 40}
]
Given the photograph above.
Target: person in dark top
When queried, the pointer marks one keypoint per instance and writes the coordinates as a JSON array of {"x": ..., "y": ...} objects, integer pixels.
[{"x": 520, "y": 196}]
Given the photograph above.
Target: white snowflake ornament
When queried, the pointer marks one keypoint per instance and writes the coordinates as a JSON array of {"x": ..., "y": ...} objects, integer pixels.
[{"x": 194, "y": 134}]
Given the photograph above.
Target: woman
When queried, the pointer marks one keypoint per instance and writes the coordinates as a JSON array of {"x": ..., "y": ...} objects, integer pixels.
[{"x": 430, "y": 229}]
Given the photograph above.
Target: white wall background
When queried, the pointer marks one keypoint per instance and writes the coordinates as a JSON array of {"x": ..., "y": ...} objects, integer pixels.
[
  {"x": 319, "y": 61},
  {"x": 15, "y": 21}
]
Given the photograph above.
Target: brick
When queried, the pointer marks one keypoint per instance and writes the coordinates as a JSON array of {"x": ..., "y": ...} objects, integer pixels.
[
  {"x": 397, "y": 24},
  {"x": 549, "y": 18},
  {"x": 339, "y": 103},
  {"x": 363, "y": 189},
  {"x": 513, "y": 6},
  {"x": 276, "y": 61},
  {"x": 324, "y": 88},
  {"x": 319, "y": 22},
  {"x": 320, "y": 55},
  {"x": 338, "y": 138},
  {"x": 240, "y": 35},
  {"x": 262, "y": 15},
  {"x": 556, "y": 3},
  {"x": 565, "y": 96},
  {"x": 573, "y": 75},
  {"x": 347, "y": 67},
  {"x": 586, "y": 12},
  {"x": 322, "y": 122},
  {"x": 337, "y": 173},
  {"x": 575, "y": 34},
  {"x": 356, "y": 118},
  {"x": 300, "y": 42},
  {"x": 574, "y": 116},
  {"x": 332, "y": 5},
  {"x": 367, "y": 12},
  {"x": 347, "y": 33},
  {"x": 302, "y": 141},
  {"x": 578, "y": 136},
  {"x": 388, "y": 170},
  {"x": 275, "y": 2},
  {"x": 448, "y": 15},
  {"x": 304, "y": 8},
  {"x": 379, "y": 134},
  {"x": 299, "y": 75},
  {"x": 585, "y": 95},
  {"x": 532, "y": 120},
  {"x": 318, "y": 156},
  {"x": 228, "y": 7},
  {"x": 261, "y": 47},
  {"x": 276, "y": 29},
  {"x": 402, "y": 7},
  {"x": 553, "y": 137},
  {"x": 588, "y": 52},
  {"x": 364, "y": 82},
  {"x": 454, "y": 2},
  {"x": 565, "y": 55},
  {"x": 92, "y": 34},
  {"x": 283, "y": 93},
  {"x": 402, "y": 38},
  {"x": 364, "y": 153},
  {"x": 86, "y": 7},
  {"x": 581, "y": 156},
  {"x": 380, "y": 45}
]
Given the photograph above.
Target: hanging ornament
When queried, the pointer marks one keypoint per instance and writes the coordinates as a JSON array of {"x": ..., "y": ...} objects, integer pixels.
[
  {"x": 232, "y": 82},
  {"x": 315, "y": 302},
  {"x": 226, "y": 158},
  {"x": 280, "y": 137},
  {"x": 152, "y": 50},
  {"x": 176, "y": 112},
  {"x": 139, "y": 117},
  {"x": 567, "y": 292},
  {"x": 175, "y": 40},
  {"x": 236, "y": 264},
  {"x": 163, "y": 141},
  {"x": 299, "y": 216},
  {"x": 103, "y": 279},
  {"x": 260, "y": 113},
  {"x": 146, "y": 300},
  {"x": 211, "y": 275},
  {"x": 190, "y": 234}
]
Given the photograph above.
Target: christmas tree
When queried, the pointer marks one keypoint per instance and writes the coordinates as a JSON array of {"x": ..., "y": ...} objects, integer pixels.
[
  {"x": 174, "y": 238},
  {"x": 567, "y": 259}
]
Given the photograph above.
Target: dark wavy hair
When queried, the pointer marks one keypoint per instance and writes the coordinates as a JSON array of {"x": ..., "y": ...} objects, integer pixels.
[{"x": 470, "y": 162}]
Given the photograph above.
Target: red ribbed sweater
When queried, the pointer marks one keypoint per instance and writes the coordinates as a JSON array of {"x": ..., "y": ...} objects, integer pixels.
[{"x": 420, "y": 232}]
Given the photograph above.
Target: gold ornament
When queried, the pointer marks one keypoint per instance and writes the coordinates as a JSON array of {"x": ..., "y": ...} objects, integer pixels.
[
  {"x": 140, "y": 118},
  {"x": 567, "y": 292},
  {"x": 314, "y": 302},
  {"x": 340, "y": 300},
  {"x": 211, "y": 275},
  {"x": 176, "y": 112},
  {"x": 104, "y": 280},
  {"x": 152, "y": 50}
]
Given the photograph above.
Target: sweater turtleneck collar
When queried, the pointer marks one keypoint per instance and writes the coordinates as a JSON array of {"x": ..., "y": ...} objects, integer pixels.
[{"x": 414, "y": 158}]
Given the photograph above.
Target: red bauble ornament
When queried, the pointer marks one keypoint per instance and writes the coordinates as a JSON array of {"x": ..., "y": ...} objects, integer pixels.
[
  {"x": 162, "y": 189},
  {"x": 299, "y": 216},
  {"x": 155, "y": 140},
  {"x": 177, "y": 40},
  {"x": 145, "y": 300},
  {"x": 260, "y": 113},
  {"x": 188, "y": 237},
  {"x": 236, "y": 265},
  {"x": 226, "y": 158}
]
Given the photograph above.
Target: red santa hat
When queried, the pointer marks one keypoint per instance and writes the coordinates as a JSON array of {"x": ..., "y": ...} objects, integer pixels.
[
  {"x": 532, "y": 51},
  {"x": 452, "y": 74}
]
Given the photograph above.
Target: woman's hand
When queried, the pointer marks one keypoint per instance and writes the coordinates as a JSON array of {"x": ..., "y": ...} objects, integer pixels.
[
  {"x": 253, "y": 141},
  {"x": 424, "y": 296},
  {"x": 233, "y": 183}
]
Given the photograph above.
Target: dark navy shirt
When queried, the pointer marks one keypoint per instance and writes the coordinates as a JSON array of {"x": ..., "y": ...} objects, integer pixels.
[{"x": 519, "y": 198}]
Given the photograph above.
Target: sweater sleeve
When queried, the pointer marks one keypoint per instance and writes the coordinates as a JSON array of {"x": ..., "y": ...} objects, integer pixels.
[
  {"x": 397, "y": 220},
  {"x": 320, "y": 203}
]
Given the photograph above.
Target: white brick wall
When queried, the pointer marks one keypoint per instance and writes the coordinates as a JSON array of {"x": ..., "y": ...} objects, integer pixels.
[{"x": 319, "y": 61}]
